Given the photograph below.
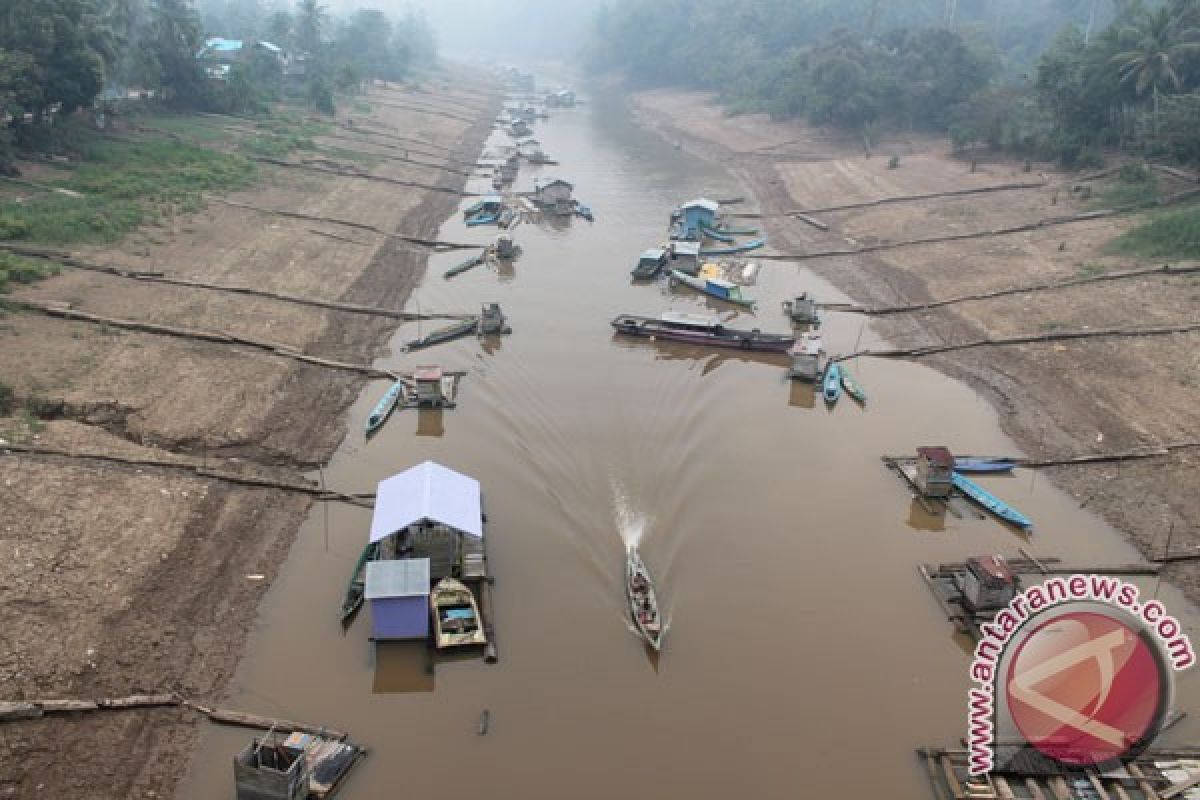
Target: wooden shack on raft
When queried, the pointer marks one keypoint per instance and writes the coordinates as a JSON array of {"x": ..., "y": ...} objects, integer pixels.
[
  {"x": 935, "y": 471},
  {"x": 428, "y": 522}
]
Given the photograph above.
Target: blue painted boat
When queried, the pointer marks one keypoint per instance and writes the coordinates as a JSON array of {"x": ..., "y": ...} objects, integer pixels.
[
  {"x": 990, "y": 502},
  {"x": 720, "y": 236},
  {"x": 713, "y": 287},
  {"x": 852, "y": 387},
  {"x": 754, "y": 244},
  {"x": 483, "y": 219},
  {"x": 383, "y": 409},
  {"x": 585, "y": 212},
  {"x": 832, "y": 383},
  {"x": 984, "y": 465}
]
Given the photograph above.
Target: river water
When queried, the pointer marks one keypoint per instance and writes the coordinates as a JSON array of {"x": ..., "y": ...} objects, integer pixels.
[{"x": 805, "y": 656}]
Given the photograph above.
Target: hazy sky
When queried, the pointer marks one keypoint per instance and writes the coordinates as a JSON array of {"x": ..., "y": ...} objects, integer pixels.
[{"x": 536, "y": 28}]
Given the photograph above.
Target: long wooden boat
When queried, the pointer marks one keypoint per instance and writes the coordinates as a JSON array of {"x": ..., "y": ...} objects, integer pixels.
[
  {"x": 720, "y": 236},
  {"x": 753, "y": 244},
  {"x": 738, "y": 231},
  {"x": 643, "y": 602},
  {"x": 990, "y": 502},
  {"x": 485, "y": 218},
  {"x": 713, "y": 287},
  {"x": 701, "y": 329},
  {"x": 831, "y": 384},
  {"x": 456, "y": 621},
  {"x": 852, "y": 386},
  {"x": 983, "y": 465},
  {"x": 470, "y": 263},
  {"x": 456, "y": 331},
  {"x": 358, "y": 582},
  {"x": 384, "y": 408}
]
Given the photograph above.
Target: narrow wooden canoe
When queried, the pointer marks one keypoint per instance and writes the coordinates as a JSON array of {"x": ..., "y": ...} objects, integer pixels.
[
  {"x": 852, "y": 386},
  {"x": 990, "y": 502},
  {"x": 455, "y": 331},
  {"x": 384, "y": 408},
  {"x": 713, "y": 287},
  {"x": 643, "y": 602},
  {"x": 984, "y": 465},
  {"x": 456, "y": 621},
  {"x": 832, "y": 383},
  {"x": 754, "y": 244},
  {"x": 358, "y": 583},
  {"x": 470, "y": 263}
]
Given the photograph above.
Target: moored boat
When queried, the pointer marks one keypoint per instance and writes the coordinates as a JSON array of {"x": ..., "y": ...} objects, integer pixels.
[
  {"x": 753, "y": 244},
  {"x": 852, "y": 386},
  {"x": 806, "y": 358},
  {"x": 459, "y": 329},
  {"x": 470, "y": 263},
  {"x": 716, "y": 235},
  {"x": 649, "y": 264},
  {"x": 990, "y": 502},
  {"x": 831, "y": 386},
  {"x": 456, "y": 621},
  {"x": 802, "y": 310},
  {"x": 984, "y": 465},
  {"x": 358, "y": 582},
  {"x": 384, "y": 408},
  {"x": 643, "y": 602},
  {"x": 714, "y": 287},
  {"x": 700, "y": 329}
]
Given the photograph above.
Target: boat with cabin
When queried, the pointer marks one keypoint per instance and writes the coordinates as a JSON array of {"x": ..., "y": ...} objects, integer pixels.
[
  {"x": 700, "y": 329},
  {"x": 643, "y": 601},
  {"x": 990, "y": 502},
  {"x": 456, "y": 621},
  {"x": 650, "y": 263},
  {"x": 802, "y": 310},
  {"x": 831, "y": 385},
  {"x": 714, "y": 287}
]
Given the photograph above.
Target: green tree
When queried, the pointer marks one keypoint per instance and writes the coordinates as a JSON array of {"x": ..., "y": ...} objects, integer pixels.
[
  {"x": 1158, "y": 43},
  {"x": 174, "y": 37}
]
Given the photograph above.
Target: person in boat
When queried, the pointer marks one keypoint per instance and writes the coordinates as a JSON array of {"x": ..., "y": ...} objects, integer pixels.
[{"x": 639, "y": 583}]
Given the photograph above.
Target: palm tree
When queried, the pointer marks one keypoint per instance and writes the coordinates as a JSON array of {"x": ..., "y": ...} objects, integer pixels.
[
  {"x": 310, "y": 20},
  {"x": 1159, "y": 42}
]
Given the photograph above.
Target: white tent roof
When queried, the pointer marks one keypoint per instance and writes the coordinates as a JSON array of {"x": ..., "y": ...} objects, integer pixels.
[
  {"x": 702, "y": 202},
  {"x": 427, "y": 491}
]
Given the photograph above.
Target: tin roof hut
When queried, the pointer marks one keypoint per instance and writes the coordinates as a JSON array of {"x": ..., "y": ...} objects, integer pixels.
[
  {"x": 935, "y": 471},
  {"x": 555, "y": 194},
  {"x": 697, "y": 213}
]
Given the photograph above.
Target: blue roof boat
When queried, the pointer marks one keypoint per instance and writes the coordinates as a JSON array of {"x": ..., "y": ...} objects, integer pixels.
[
  {"x": 832, "y": 382},
  {"x": 753, "y": 244},
  {"x": 991, "y": 503},
  {"x": 383, "y": 409},
  {"x": 984, "y": 465}
]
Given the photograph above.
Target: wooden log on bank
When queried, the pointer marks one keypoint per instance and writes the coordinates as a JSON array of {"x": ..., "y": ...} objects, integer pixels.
[
  {"x": 284, "y": 351},
  {"x": 362, "y": 500},
  {"x": 246, "y": 720},
  {"x": 362, "y": 226},
  {"x": 40, "y": 708},
  {"x": 919, "y": 352},
  {"x": 1164, "y": 270}
]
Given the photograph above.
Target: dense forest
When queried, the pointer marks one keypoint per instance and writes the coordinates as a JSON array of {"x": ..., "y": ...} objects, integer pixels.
[
  {"x": 1059, "y": 79},
  {"x": 60, "y": 56}
]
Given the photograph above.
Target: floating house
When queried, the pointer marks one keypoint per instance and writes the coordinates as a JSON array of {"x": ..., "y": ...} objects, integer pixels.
[
  {"x": 555, "y": 194},
  {"x": 688, "y": 221},
  {"x": 293, "y": 766},
  {"x": 935, "y": 471},
  {"x": 685, "y": 257},
  {"x": 988, "y": 583},
  {"x": 428, "y": 524}
]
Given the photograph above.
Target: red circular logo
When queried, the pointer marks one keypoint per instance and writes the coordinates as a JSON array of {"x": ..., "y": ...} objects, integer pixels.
[{"x": 1084, "y": 687}]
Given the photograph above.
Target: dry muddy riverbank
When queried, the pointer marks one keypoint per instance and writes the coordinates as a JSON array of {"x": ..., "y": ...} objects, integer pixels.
[{"x": 120, "y": 579}]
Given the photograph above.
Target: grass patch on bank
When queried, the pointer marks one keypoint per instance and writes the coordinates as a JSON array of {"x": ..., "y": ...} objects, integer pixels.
[
  {"x": 1168, "y": 234},
  {"x": 1132, "y": 185},
  {"x": 120, "y": 184},
  {"x": 16, "y": 269}
]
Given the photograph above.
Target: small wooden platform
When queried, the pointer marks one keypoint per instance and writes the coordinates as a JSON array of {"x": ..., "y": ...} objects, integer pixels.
[
  {"x": 946, "y": 583},
  {"x": 957, "y": 505},
  {"x": 1022, "y": 773}
]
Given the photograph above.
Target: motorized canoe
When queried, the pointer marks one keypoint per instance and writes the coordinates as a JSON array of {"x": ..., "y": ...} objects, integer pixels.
[
  {"x": 984, "y": 465},
  {"x": 990, "y": 502},
  {"x": 456, "y": 331},
  {"x": 852, "y": 387},
  {"x": 384, "y": 408},
  {"x": 358, "y": 582},
  {"x": 831, "y": 385},
  {"x": 701, "y": 329},
  {"x": 643, "y": 602},
  {"x": 470, "y": 263},
  {"x": 713, "y": 287},
  {"x": 753, "y": 244},
  {"x": 456, "y": 621}
]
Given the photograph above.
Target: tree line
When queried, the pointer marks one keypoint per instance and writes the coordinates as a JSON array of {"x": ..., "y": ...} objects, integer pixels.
[
  {"x": 1058, "y": 79},
  {"x": 59, "y": 56}
]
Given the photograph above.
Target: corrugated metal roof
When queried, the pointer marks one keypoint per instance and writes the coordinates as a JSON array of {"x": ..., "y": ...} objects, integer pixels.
[
  {"x": 428, "y": 491},
  {"x": 400, "y": 577},
  {"x": 653, "y": 253},
  {"x": 687, "y": 248}
]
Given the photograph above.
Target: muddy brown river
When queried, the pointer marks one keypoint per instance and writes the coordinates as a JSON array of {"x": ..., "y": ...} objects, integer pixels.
[{"x": 804, "y": 655}]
